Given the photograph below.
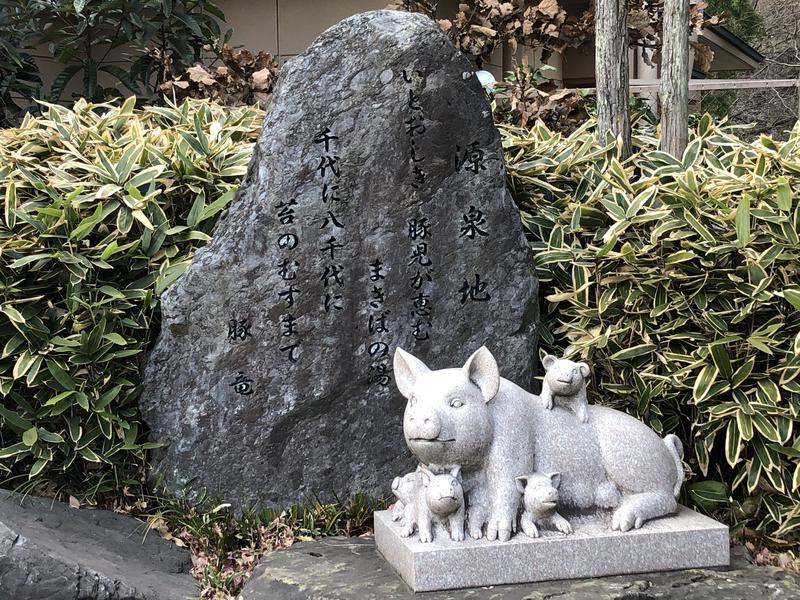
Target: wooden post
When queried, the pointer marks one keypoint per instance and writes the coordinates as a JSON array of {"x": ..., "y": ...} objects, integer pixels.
[
  {"x": 675, "y": 77},
  {"x": 611, "y": 68}
]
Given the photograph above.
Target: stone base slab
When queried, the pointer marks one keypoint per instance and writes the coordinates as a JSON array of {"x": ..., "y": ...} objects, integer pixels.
[{"x": 684, "y": 541}]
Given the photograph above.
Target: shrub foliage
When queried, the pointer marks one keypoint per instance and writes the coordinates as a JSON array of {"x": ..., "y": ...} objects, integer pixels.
[
  {"x": 151, "y": 39},
  {"x": 679, "y": 280},
  {"x": 103, "y": 208}
]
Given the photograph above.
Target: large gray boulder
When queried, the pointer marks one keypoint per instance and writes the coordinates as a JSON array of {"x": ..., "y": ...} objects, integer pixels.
[
  {"x": 49, "y": 551},
  {"x": 374, "y": 215}
]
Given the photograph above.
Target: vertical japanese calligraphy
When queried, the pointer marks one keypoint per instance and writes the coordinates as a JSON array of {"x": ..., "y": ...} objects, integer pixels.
[
  {"x": 329, "y": 174},
  {"x": 474, "y": 224},
  {"x": 239, "y": 331},
  {"x": 473, "y": 227},
  {"x": 287, "y": 270},
  {"x": 470, "y": 158},
  {"x": 242, "y": 384},
  {"x": 414, "y": 129},
  {"x": 419, "y": 229},
  {"x": 474, "y": 291},
  {"x": 421, "y": 282},
  {"x": 377, "y": 326}
]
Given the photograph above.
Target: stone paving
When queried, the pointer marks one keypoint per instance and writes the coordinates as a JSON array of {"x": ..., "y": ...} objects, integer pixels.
[
  {"x": 350, "y": 569},
  {"x": 49, "y": 551}
]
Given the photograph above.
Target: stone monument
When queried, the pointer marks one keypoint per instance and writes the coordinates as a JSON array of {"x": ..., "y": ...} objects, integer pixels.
[
  {"x": 587, "y": 490},
  {"x": 374, "y": 214}
]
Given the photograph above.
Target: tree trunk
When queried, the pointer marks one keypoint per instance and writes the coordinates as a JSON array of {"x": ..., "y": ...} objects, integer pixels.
[
  {"x": 675, "y": 77},
  {"x": 611, "y": 67}
]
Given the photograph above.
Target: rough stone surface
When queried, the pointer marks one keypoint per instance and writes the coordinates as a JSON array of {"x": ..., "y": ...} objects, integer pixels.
[
  {"x": 686, "y": 540},
  {"x": 351, "y": 569},
  {"x": 49, "y": 551},
  {"x": 415, "y": 179}
]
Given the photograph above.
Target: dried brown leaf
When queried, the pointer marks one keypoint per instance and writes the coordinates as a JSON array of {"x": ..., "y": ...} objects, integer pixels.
[
  {"x": 262, "y": 80},
  {"x": 703, "y": 56},
  {"x": 198, "y": 74},
  {"x": 549, "y": 7},
  {"x": 484, "y": 30}
]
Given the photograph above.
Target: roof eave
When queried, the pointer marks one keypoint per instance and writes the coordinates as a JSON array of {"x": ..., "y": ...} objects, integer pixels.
[{"x": 737, "y": 42}]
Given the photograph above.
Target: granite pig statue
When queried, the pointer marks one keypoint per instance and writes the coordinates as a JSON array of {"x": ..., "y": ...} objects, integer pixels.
[
  {"x": 540, "y": 498},
  {"x": 406, "y": 488},
  {"x": 495, "y": 430},
  {"x": 441, "y": 500},
  {"x": 564, "y": 384}
]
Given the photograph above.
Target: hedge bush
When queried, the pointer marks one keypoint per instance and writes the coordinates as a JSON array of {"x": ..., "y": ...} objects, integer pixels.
[
  {"x": 679, "y": 281},
  {"x": 103, "y": 208}
]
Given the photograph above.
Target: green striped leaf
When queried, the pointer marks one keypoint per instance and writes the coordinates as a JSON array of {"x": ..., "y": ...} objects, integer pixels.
[
  {"x": 633, "y": 352},
  {"x": 705, "y": 379}
]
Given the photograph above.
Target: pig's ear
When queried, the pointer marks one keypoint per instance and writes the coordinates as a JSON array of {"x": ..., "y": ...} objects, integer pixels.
[
  {"x": 548, "y": 361},
  {"x": 555, "y": 479},
  {"x": 521, "y": 481},
  {"x": 455, "y": 472},
  {"x": 481, "y": 369},
  {"x": 407, "y": 370}
]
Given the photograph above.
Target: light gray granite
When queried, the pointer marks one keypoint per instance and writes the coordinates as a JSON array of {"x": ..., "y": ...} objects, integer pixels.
[
  {"x": 564, "y": 384},
  {"x": 494, "y": 433},
  {"x": 351, "y": 569},
  {"x": 686, "y": 540}
]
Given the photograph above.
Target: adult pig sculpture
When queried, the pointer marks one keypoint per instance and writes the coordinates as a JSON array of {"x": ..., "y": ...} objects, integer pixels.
[{"x": 496, "y": 431}]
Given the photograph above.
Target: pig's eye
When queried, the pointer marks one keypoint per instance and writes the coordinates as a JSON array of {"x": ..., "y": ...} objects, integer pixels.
[
  {"x": 574, "y": 371},
  {"x": 456, "y": 403}
]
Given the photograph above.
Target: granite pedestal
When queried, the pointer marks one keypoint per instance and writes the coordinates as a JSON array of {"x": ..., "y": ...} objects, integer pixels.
[{"x": 683, "y": 541}]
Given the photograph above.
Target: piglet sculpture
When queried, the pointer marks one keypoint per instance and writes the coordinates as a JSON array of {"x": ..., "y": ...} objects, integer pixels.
[{"x": 540, "y": 498}]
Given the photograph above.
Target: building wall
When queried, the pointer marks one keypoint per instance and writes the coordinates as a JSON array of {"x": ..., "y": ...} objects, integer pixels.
[{"x": 285, "y": 28}]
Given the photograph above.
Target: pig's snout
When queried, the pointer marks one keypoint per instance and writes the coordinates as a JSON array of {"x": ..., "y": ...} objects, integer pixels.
[
  {"x": 568, "y": 379},
  {"x": 423, "y": 425},
  {"x": 534, "y": 495}
]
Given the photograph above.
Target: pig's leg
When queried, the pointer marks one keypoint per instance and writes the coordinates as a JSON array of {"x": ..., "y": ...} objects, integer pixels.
[
  {"x": 476, "y": 518},
  {"x": 580, "y": 408},
  {"x": 560, "y": 523},
  {"x": 638, "y": 508},
  {"x": 398, "y": 510},
  {"x": 528, "y": 525},
  {"x": 456, "y": 522},
  {"x": 409, "y": 520},
  {"x": 424, "y": 521},
  {"x": 546, "y": 395},
  {"x": 499, "y": 528},
  {"x": 503, "y": 510},
  {"x": 425, "y": 527},
  {"x": 477, "y": 500}
]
